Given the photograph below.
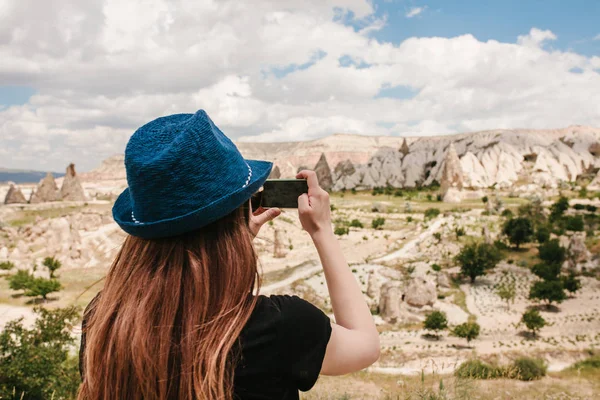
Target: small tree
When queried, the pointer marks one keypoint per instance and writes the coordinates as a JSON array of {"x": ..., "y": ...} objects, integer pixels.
[
  {"x": 558, "y": 208},
  {"x": 542, "y": 234},
  {"x": 436, "y": 321},
  {"x": 519, "y": 230},
  {"x": 574, "y": 223},
  {"x": 42, "y": 287},
  {"x": 356, "y": 223},
  {"x": 533, "y": 321},
  {"x": 571, "y": 283},
  {"x": 547, "y": 271},
  {"x": 20, "y": 280},
  {"x": 436, "y": 267},
  {"x": 6, "y": 266},
  {"x": 507, "y": 292},
  {"x": 431, "y": 213},
  {"x": 52, "y": 264},
  {"x": 552, "y": 252},
  {"x": 35, "y": 362},
  {"x": 341, "y": 230},
  {"x": 377, "y": 223},
  {"x": 550, "y": 291},
  {"x": 477, "y": 258},
  {"x": 468, "y": 330}
]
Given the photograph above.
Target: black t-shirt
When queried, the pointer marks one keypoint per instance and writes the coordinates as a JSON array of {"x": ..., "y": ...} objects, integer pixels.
[{"x": 283, "y": 346}]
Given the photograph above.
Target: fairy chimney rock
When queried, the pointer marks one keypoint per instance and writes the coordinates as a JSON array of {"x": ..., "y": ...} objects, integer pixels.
[
  {"x": 404, "y": 148},
  {"x": 275, "y": 173},
  {"x": 277, "y": 244},
  {"x": 47, "y": 190},
  {"x": 14, "y": 195},
  {"x": 344, "y": 168},
  {"x": 71, "y": 188},
  {"x": 452, "y": 174},
  {"x": 324, "y": 173}
]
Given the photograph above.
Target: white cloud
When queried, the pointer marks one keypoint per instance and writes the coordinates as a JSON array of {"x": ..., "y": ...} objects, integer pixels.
[
  {"x": 597, "y": 37},
  {"x": 414, "y": 11},
  {"x": 103, "y": 68}
]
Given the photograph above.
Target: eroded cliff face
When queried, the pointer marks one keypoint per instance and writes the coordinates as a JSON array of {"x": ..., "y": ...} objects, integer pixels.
[{"x": 499, "y": 158}]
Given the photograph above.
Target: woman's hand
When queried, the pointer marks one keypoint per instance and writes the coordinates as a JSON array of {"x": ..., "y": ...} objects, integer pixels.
[
  {"x": 313, "y": 207},
  {"x": 260, "y": 217}
]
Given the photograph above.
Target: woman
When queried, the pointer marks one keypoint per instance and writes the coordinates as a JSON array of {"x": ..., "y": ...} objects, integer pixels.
[{"x": 177, "y": 318}]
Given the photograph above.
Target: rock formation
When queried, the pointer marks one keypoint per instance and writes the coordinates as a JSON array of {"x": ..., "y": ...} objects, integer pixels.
[
  {"x": 404, "y": 148},
  {"x": 14, "y": 195},
  {"x": 578, "y": 252},
  {"x": 71, "y": 188},
  {"x": 373, "y": 286},
  {"x": 47, "y": 190},
  {"x": 390, "y": 301},
  {"x": 443, "y": 280},
  {"x": 420, "y": 292},
  {"x": 278, "y": 251},
  {"x": 324, "y": 173},
  {"x": 275, "y": 173},
  {"x": 452, "y": 175}
]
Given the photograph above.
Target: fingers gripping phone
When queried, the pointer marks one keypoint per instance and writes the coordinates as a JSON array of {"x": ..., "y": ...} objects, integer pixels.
[{"x": 280, "y": 193}]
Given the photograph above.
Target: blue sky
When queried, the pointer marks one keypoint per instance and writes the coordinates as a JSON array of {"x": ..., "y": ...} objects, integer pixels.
[{"x": 575, "y": 22}]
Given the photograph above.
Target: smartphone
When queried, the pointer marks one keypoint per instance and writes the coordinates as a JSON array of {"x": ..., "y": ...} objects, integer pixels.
[{"x": 280, "y": 193}]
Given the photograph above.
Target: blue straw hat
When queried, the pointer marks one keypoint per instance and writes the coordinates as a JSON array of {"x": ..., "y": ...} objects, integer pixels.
[{"x": 183, "y": 173}]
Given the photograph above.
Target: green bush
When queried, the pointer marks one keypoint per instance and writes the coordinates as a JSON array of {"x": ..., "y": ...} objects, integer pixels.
[
  {"x": 459, "y": 232},
  {"x": 6, "y": 266},
  {"x": 35, "y": 363},
  {"x": 542, "y": 234},
  {"x": 591, "y": 208},
  {"x": 439, "y": 197},
  {"x": 436, "y": 321},
  {"x": 592, "y": 362},
  {"x": 550, "y": 291},
  {"x": 468, "y": 330},
  {"x": 53, "y": 264},
  {"x": 528, "y": 369},
  {"x": 398, "y": 193},
  {"x": 377, "y": 223},
  {"x": 476, "y": 259},
  {"x": 341, "y": 230},
  {"x": 507, "y": 213},
  {"x": 20, "y": 280},
  {"x": 571, "y": 283},
  {"x": 431, "y": 213},
  {"x": 477, "y": 369},
  {"x": 533, "y": 321},
  {"x": 518, "y": 230},
  {"x": 574, "y": 223},
  {"x": 356, "y": 223},
  {"x": 579, "y": 206},
  {"x": 436, "y": 267},
  {"x": 485, "y": 199},
  {"x": 552, "y": 252},
  {"x": 558, "y": 208}
]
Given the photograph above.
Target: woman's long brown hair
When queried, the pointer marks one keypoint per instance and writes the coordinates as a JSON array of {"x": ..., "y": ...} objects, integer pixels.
[{"x": 166, "y": 324}]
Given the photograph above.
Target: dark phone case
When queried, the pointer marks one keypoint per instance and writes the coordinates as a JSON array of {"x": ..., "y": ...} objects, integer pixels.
[{"x": 281, "y": 193}]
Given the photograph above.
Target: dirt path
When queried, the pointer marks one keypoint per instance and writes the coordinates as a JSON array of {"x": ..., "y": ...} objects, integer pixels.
[{"x": 404, "y": 252}]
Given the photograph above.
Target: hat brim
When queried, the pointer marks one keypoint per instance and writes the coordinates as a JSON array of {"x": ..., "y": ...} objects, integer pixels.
[{"x": 123, "y": 216}]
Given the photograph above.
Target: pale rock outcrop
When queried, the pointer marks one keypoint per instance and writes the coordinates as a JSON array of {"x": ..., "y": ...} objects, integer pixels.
[
  {"x": 577, "y": 251},
  {"x": 47, "y": 190},
  {"x": 453, "y": 195},
  {"x": 452, "y": 174},
  {"x": 3, "y": 253},
  {"x": 324, "y": 173},
  {"x": 14, "y": 195},
  {"x": 71, "y": 189},
  {"x": 420, "y": 292},
  {"x": 373, "y": 285},
  {"x": 404, "y": 148},
  {"x": 443, "y": 280},
  {"x": 390, "y": 301},
  {"x": 384, "y": 168},
  {"x": 487, "y": 236},
  {"x": 278, "y": 251},
  {"x": 275, "y": 173},
  {"x": 345, "y": 176},
  {"x": 473, "y": 172}
]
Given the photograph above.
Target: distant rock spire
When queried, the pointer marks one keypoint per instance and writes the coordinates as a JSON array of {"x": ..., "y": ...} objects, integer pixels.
[
  {"x": 275, "y": 173},
  {"x": 404, "y": 148},
  {"x": 47, "y": 190},
  {"x": 71, "y": 188},
  {"x": 452, "y": 174},
  {"x": 324, "y": 173},
  {"x": 14, "y": 195}
]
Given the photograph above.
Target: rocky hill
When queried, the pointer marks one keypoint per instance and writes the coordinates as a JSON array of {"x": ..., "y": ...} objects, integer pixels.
[{"x": 500, "y": 158}]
